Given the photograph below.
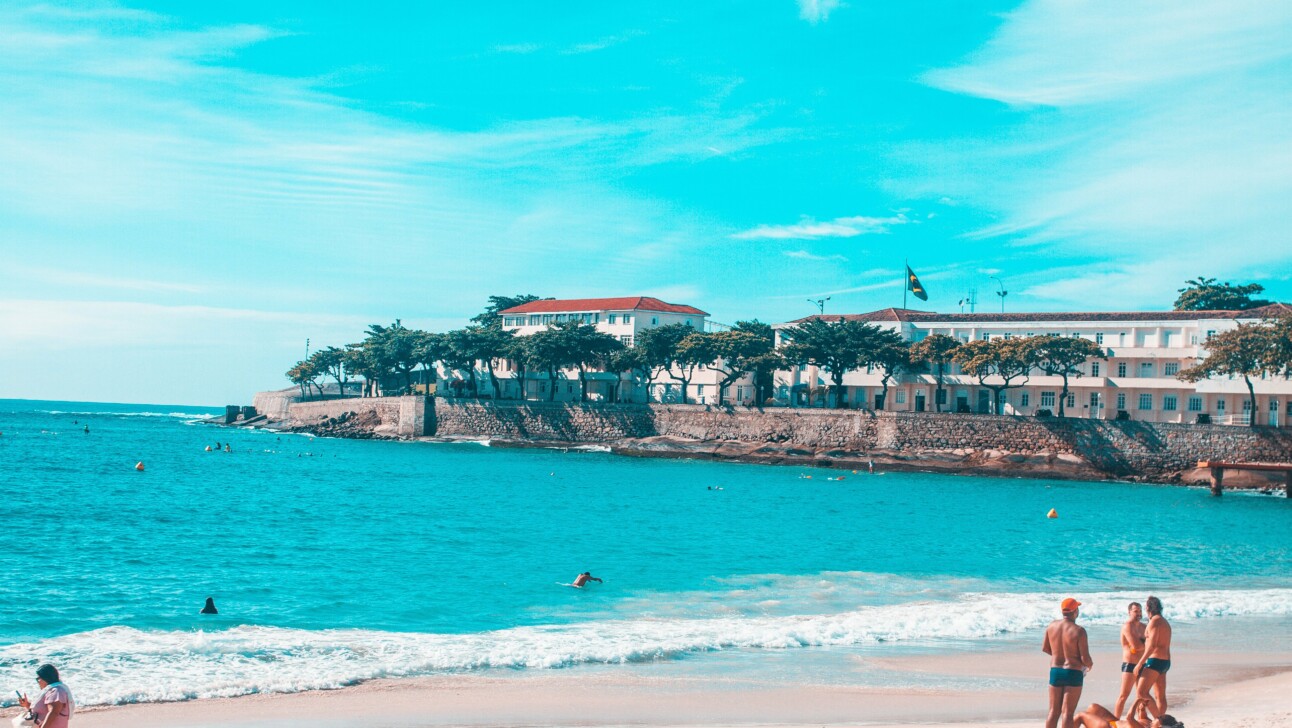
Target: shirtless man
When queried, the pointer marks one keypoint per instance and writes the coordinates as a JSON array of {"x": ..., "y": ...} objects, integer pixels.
[
  {"x": 1132, "y": 649},
  {"x": 1152, "y": 667},
  {"x": 1069, "y": 649},
  {"x": 1097, "y": 716},
  {"x": 584, "y": 578}
]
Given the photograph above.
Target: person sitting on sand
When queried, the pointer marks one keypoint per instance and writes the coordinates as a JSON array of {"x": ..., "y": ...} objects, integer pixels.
[
  {"x": 1097, "y": 716},
  {"x": 1152, "y": 667},
  {"x": 584, "y": 578},
  {"x": 209, "y": 607},
  {"x": 1069, "y": 649},
  {"x": 54, "y": 707},
  {"x": 1132, "y": 649}
]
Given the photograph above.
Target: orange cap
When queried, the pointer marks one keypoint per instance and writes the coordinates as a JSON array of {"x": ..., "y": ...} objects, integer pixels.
[{"x": 1069, "y": 604}]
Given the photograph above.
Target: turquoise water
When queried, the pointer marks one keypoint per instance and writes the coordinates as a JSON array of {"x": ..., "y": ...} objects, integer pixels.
[{"x": 334, "y": 561}]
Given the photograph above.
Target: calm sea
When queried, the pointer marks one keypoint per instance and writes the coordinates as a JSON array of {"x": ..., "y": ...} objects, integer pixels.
[{"x": 334, "y": 561}]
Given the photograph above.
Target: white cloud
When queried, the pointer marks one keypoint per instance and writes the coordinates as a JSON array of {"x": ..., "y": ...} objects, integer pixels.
[
  {"x": 815, "y": 11},
  {"x": 805, "y": 255},
  {"x": 808, "y": 228},
  {"x": 1163, "y": 145}
]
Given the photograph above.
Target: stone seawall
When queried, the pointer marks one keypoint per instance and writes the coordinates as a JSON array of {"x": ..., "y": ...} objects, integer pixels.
[
  {"x": 1076, "y": 447},
  {"x": 945, "y": 441},
  {"x": 394, "y": 417}
]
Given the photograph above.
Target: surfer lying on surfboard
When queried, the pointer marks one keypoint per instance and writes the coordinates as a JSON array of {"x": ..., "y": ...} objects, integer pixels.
[{"x": 584, "y": 578}]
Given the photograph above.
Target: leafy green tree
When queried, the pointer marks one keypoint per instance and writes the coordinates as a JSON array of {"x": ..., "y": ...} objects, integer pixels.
[
  {"x": 364, "y": 360},
  {"x": 1004, "y": 359},
  {"x": 631, "y": 361},
  {"x": 304, "y": 374},
  {"x": 517, "y": 350},
  {"x": 491, "y": 316},
  {"x": 1281, "y": 353},
  {"x": 547, "y": 350},
  {"x": 393, "y": 346},
  {"x": 736, "y": 353},
  {"x": 837, "y": 347},
  {"x": 1062, "y": 356},
  {"x": 937, "y": 350},
  {"x": 1247, "y": 351},
  {"x": 763, "y": 366},
  {"x": 585, "y": 348},
  {"x": 461, "y": 350},
  {"x": 1205, "y": 294},
  {"x": 664, "y": 352},
  {"x": 429, "y": 350},
  {"x": 893, "y": 357},
  {"x": 331, "y": 362},
  {"x": 484, "y": 344}
]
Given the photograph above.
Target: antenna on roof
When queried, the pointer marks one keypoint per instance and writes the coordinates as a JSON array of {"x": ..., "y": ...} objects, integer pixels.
[
  {"x": 819, "y": 303},
  {"x": 970, "y": 300}
]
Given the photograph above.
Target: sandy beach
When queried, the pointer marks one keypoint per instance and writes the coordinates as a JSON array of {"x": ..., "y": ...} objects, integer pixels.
[{"x": 1225, "y": 690}]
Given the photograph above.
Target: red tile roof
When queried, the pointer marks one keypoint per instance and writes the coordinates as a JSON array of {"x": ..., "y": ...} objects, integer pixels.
[
  {"x": 625, "y": 303},
  {"x": 906, "y": 315}
]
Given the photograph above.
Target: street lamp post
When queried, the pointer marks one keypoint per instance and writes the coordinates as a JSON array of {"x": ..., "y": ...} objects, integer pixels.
[
  {"x": 1002, "y": 293},
  {"x": 819, "y": 303}
]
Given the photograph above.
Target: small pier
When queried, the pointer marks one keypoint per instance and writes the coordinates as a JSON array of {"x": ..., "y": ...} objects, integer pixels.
[{"x": 1218, "y": 469}]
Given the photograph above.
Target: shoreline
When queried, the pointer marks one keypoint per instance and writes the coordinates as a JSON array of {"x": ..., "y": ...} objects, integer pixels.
[
  {"x": 992, "y": 463},
  {"x": 1215, "y": 689}
]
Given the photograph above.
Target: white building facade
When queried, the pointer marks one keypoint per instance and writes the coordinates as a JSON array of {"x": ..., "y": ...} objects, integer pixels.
[
  {"x": 1145, "y": 350},
  {"x": 624, "y": 318}
]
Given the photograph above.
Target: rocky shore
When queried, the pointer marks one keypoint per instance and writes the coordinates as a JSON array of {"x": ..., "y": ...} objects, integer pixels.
[{"x": 1075, "y": 449}]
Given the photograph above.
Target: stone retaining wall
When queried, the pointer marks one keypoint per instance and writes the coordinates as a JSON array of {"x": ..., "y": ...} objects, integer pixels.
[{"x": 1115, "y": 448}]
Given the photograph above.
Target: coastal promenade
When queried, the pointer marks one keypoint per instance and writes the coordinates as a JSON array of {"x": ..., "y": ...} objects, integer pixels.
[{"x": 947, "y": 442}]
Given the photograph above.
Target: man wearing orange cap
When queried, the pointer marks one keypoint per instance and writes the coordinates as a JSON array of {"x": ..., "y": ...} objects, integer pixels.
[{"x": 1069, "y": 649}]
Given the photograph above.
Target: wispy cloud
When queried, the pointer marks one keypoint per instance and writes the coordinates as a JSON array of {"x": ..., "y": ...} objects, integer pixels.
[
  {"x": 816, "y": 11},
  {"x": 808, "y": 228},
  {"x": 1149, "y": 134},
  {"x": 805, "y": 255},
  {"x": 603, "y": 43},
  {"x": 520, "y": 48}
]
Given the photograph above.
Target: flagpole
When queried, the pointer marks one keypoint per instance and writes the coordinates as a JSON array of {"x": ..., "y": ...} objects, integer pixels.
[{"x": 906, "y": 281}]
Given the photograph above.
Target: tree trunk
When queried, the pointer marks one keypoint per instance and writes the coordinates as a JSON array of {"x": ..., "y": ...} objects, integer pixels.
[
  {"x": 1063, "y": 396},
  {"x": 551, "y": 381},
  {"x": 583, "y": 384},
  {"x": 493, "y": 378},
  {"x": 1251, "y": 397},
  {"x": 520, "y": 374},
  {"x": 938, "y": 396},
  {"x": 838, "y": 391}
]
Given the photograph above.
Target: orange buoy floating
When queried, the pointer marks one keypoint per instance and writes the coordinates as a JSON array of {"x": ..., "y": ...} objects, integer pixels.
[
  {"x": 139, "y": 466},
  {"x": 1052, "y": 514}
]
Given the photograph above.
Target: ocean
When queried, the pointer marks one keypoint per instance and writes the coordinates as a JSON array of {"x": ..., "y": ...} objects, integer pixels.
[{"x": 335, "y": 561}]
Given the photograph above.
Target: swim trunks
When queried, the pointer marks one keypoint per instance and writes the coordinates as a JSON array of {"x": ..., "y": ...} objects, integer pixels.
[
  {"x": 1157, "y": 664},
  {"x": 1128, "y": 667},
  {"x": 1061, "y": 677}
]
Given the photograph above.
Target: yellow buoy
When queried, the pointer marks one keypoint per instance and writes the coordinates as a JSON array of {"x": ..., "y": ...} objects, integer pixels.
[
  {"x": 1052, "y": 514},
  {"x": 139, "y": 466}
]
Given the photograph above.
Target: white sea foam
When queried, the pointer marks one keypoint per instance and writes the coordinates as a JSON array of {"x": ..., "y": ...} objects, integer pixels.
[
  {"x": 120, "y": 664},
  {"x": 176, "y": 415}
]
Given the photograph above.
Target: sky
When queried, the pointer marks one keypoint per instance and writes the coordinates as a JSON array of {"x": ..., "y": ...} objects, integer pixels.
[{"x": 189, "y": 191}]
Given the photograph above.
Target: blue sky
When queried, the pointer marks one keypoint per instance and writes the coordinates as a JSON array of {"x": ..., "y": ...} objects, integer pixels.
[{"x": 188, "y": 192}]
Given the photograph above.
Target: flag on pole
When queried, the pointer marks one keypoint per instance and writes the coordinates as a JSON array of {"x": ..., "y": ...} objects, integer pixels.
[{"x": 913, "y": 285}]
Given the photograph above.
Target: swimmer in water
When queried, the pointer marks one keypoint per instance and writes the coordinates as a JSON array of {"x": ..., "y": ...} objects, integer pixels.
[
  {"x": 584, "y": 578},
  {"x": 209, "y": 607},
  {"x": 87, "y": 429}
]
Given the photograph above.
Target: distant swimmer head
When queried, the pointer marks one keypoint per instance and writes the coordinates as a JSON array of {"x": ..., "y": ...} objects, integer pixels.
[
  {"x": 1167, "y": 721},
  {"x": 1153, "y": 605},
  {"x": 48, "y": 673},
  {"x": 139, "y": 466},
  {"x": 1069, "y": 606},
  {"x": 209, "y": 607}
]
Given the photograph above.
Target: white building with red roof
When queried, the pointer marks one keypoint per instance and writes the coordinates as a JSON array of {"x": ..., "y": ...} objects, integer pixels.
[
  {"x": 623, "y": 317},
  {"x": 1145, "y": 350}
]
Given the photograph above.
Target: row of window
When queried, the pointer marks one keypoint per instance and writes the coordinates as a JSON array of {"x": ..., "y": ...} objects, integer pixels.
[
  {"x": 544, "y": 319},
  {"x": 1167, "y": 337}
]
